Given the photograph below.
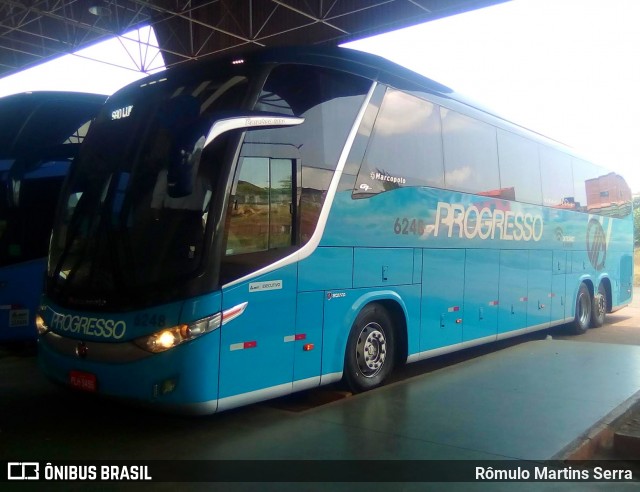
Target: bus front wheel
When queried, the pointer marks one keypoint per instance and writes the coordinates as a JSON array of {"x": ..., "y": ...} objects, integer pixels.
[
  {"x": 584, "y": 307},
  {"x": 599, "y": 308},
  {"x": 370, "y": 354}
]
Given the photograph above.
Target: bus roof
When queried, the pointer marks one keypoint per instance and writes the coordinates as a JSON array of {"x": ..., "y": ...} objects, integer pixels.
[
  {"x": 36, "y": 97},
  {"x": 16, "y": 109},
  {"x": 365, "y": 65}
]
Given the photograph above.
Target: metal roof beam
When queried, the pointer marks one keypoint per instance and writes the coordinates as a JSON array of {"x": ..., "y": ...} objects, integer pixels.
[
  {"x": 180, "y": 15},
  {"x": 308, "y": 16}
]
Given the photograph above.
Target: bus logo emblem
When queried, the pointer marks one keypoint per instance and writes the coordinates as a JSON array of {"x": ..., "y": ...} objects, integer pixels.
[
  {"x": 82, "y": 350},
  {"x": 596, "y": 244},
  {"x": 335, "y": 295}
]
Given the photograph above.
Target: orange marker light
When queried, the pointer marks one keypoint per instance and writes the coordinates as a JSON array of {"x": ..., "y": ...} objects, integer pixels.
[{"x": 307, "y": 347}]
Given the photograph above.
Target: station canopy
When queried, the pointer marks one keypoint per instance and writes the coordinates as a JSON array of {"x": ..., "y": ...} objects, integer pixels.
[{"x": 36, "y": 31}]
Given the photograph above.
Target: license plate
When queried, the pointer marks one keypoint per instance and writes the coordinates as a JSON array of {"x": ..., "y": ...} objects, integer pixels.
[{"x": 84, "y": 381}]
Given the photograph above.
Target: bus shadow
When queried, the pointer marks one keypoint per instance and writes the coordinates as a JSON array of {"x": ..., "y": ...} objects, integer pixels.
[{"x": 318, "y": 397}]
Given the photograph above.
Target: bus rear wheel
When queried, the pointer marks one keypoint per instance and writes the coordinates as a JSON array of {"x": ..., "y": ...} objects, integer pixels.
[
  {"x": 599, "y": 308},
  {"x": 370, "y": 354},
  {"x": 584, "y": 305}
]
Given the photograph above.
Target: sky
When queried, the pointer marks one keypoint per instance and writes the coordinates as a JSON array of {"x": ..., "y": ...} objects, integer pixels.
[
  {"x": 102, "y": 68},
  {"x": 569, "y": 69}
]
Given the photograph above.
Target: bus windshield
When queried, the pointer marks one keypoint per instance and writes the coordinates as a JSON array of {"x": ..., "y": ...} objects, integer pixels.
[
  {"x": 39, "y": 135},
  {"x": 127, "y": 218}
]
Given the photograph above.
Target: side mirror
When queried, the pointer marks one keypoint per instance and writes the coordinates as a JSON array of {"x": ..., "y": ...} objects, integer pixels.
[{"x": 182, "y": 172}]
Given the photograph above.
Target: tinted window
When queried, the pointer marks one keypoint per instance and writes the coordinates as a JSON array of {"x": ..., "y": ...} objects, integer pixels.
[
  {"x": 260, "y": 215},
  {"x": 470, "y": 154},
  {"x": 134, "y": 214},
  {"x": 557, "y": 179},
  {"x": 359, "y": 147},
  {"x": 519, "y": 168},
  {"x": 58, "y": 122},
  {"x": 606, "y": 193},
  {"x": 405, "y": 148},
  {"x": 78, "y": 136},
  {"x": 585, "y": 183},
  {"x": 43, "y": 149},
  {"x": 284, "y": 173},
  {"x": 329, "y": 102}
]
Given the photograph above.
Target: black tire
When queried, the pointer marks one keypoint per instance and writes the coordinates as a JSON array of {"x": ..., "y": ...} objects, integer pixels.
[
  {"x": 584, "y": 305},
  {"x": 599, "y": 307},
  {"x": 370, "y": 353}
]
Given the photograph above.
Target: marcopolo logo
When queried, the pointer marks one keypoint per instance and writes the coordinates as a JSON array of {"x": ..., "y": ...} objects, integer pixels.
[
  {"x": 378, "y": 176},
  {"x": 596, "y": 244}
]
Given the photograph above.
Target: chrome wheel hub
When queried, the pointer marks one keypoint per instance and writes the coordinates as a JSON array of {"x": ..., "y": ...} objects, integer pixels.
[
  {"x": 584, "y": 311},
  {"x": 371, "y": 350},
  {"x": 601, "y": 303}
]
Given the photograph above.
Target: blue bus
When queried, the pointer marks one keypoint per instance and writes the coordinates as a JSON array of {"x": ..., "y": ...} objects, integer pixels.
[
  {"x": 242, "y": 228},
  {"x": 39, "y": 135}
]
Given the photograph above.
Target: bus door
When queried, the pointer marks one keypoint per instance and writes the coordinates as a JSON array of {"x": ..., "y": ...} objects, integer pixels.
[
  {"x": 257, "y": 347},
  {"x": 259, "y": 322}
]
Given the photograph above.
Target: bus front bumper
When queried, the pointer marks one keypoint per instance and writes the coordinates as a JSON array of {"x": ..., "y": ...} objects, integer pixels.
[{"x": 184, "y": 378}]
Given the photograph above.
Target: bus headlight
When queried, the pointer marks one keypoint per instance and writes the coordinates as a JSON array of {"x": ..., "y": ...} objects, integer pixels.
[
  {"x": 41, "y": 326},
  {"x": 168, "y": 338}
]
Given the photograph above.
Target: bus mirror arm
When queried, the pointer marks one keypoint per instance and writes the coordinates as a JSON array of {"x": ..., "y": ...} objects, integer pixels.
[
  {"x": 249, "y": 121},
  {"x": 182, "y": 176}
]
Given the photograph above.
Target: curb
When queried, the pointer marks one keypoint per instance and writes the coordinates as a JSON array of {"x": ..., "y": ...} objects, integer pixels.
[{"x": 600, "y": 435}]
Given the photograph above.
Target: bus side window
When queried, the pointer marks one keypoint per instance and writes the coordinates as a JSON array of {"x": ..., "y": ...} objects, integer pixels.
[
  {"x": 405, "y": 148},
  {"x": 284, "y": 173},
  {"x": 598, "y": 191},
  {"x": 470, "y": 155},
  {"x": 557, "y": 179},
  {"x": 519, "y": 167},
  {"x": 261, "y": 213}
]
